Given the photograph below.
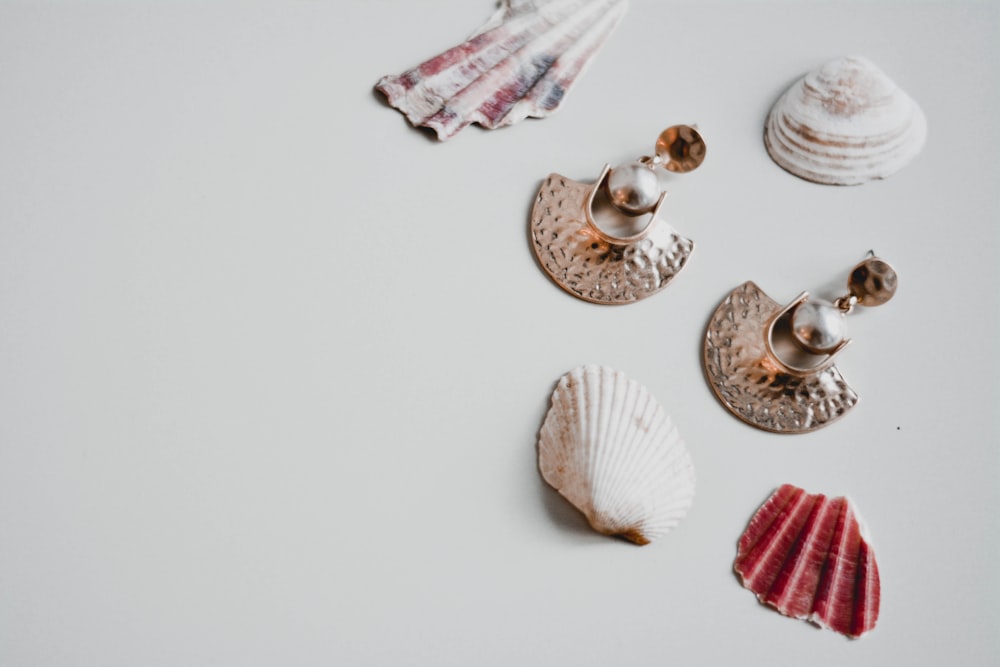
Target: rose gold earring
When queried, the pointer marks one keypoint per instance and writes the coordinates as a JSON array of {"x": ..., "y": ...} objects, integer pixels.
[
  {"x": 604, "y": 242},
  {"x": 773, "y": 366}
]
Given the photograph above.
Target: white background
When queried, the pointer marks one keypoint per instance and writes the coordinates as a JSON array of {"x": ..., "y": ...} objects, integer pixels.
[{"x": 272, "y": 363}]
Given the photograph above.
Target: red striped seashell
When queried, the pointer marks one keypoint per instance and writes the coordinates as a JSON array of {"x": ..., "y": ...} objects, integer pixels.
[
  {"x": 520, "y": 64},
  {"x": 809, "y": 557}
]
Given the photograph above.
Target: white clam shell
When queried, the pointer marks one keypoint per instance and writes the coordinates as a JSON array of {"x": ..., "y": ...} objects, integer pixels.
[
  {"x": 609, "y": 448},
  {"x": 845, "y": 123}
]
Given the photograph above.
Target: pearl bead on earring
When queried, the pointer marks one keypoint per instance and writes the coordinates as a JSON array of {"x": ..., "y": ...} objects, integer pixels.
[
  {"x": 818, "y": 327},
  {"x": 633, "y": 188}
]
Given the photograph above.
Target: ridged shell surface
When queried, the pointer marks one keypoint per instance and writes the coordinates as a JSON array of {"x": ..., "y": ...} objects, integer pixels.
[
  {"x": 809, "y": 557},
  {"x": 845, "y": 123},
  {"x": 609, "y": 448},
  {"x": 521, "y": 63}
]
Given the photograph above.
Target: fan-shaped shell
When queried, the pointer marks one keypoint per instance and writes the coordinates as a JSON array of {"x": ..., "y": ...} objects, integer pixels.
[
  {"x": 845, "y": 123},
  {"x": 609, "y": 448},
  {"x": 809, "y": 557},
  {"x": 521, "y": 63}
]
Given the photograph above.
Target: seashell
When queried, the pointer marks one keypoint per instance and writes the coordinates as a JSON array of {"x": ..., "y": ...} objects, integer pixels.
[
  {"x": 809, "y": 557},
  {"x": 520, "y": 63},
  {"x": 845, "y": 123},
  {"x": 609, "y": 448}
]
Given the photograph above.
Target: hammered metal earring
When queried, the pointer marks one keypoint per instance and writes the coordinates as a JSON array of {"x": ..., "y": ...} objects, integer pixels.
[
  {"x": 773, "y": 366},
  {"x": 631, "y": 253}
]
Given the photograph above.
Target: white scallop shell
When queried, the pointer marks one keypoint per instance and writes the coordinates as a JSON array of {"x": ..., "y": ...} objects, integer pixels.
[
  {"x": 845, "y": 123},
  {"x": 609, "y": 448},
  {"x": 520, "y": 63}
]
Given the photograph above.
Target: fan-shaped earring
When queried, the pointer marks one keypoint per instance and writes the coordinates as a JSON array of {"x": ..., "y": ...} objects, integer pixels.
[
  {"x": 773, "y": 366},
  {"x": 633, "y": 253}
]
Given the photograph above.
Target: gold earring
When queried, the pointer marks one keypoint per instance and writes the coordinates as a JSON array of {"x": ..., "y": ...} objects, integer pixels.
[
  {"x": 624, "y": 258},
  {"x": 773, "y": 366}
]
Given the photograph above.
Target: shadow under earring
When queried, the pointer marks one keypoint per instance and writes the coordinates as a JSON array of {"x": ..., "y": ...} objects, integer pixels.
[
  {"x": 633, "y": 254},
  {"x": 773, "y": 366}
]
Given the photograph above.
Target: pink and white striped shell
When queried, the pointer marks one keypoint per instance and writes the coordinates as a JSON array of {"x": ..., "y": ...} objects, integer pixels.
[
  {"x": 809, "y": 557},
  {"x": 609, "y": 448},
  {"x": 845, "y": 123},
  {"x": 520, "y": 63}
]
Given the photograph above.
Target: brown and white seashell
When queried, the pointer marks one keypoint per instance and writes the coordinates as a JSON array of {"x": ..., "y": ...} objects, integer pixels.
[
  {"x": 809, "y": 557},
  {"x": 520, "y": 63},
  {"x": 609, "y": 448},
  {"x": 845, "y": 123}
]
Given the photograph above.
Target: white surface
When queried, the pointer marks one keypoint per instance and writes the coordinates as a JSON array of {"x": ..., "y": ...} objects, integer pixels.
[{"x": 272, "y": 363}]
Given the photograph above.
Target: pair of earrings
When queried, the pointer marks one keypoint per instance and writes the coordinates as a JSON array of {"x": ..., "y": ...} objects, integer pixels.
[{"x": 770, "y": 365}]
